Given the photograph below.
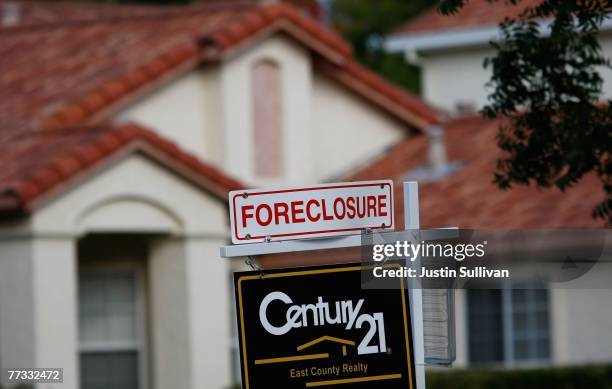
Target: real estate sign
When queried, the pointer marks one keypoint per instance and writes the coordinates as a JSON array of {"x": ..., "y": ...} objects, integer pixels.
[
  {"x": 309, "y": 212},
  {"x": 316, "y": 327}
]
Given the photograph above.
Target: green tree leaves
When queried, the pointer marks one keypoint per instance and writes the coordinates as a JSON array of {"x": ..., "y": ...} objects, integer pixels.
[
  {"x": 546, "y": 80},
  {"x": 365, "y": 23}
]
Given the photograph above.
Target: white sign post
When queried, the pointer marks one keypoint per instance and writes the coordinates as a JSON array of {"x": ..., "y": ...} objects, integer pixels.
[{"x": 412, "y": 222}]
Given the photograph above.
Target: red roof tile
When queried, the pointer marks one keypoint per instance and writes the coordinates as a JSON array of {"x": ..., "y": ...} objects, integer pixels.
[
  {"x": 49, "y": 69},
  {"x": 92, "y": 66},
  {"x": 59, "y": 76},
  {"x": 469, "y": 198},
  {"x": 475, "y": 13},
  {"x": 39, "y": 163},
  {"x": 32, "y": 13}
]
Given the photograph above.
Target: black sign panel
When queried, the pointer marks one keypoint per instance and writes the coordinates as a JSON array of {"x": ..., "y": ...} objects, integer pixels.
[{"x": 316, "y": 327}]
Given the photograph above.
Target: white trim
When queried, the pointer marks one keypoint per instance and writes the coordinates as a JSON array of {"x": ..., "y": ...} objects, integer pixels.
[
  {"x": 441, "y": 39},
  {"x": 509, "y": 359},
  {"x": 141, "y": 329},
  {"x": 412, "y": 43},
  {"x": 508, "y": 326},
  {"x": 108, "y": 346},
  {"x": 412, "y": 222},
  {"x": 291, "y": 246}
]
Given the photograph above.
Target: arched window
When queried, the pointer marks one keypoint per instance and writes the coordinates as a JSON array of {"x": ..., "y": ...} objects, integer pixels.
[{"x": 267, "y": 119}]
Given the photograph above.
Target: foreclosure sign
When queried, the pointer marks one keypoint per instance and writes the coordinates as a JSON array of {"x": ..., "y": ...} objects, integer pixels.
[
  {"x": 316, "y": 327},
  {"x": 308, "y": 212}
]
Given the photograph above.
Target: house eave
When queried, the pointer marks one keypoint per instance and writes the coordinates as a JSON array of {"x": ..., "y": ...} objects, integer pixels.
[{"x": 454, "y": 38}]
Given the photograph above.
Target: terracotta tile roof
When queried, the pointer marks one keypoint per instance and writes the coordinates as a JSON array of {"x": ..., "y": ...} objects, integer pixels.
[
  {"x": 469, "y": 198},
  {"x": 93, "y": 67},
  {"x": 32, "y": 13},
  {"x": 65, "y": 72},
  {"x": 475, "y": 13},
  {"x": 39, "y": 164},
  {"x": 61, "y": 77}
]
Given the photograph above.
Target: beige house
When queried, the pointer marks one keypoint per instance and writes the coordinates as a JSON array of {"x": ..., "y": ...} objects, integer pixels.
[
  {"x": 509, "y": 328},
  {"x": 122, "y": 128},
  {"x": 450, "y": 50}
]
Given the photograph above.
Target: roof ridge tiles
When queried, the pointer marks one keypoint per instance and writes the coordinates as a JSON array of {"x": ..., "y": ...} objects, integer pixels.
[
  {"x": 155, "y": 12},
  {"x": 224, "y": 37},
  {"x": 88, "y": 149},
  {"x": 233, "y": 34},
  {"x": 114, "y": 90}
]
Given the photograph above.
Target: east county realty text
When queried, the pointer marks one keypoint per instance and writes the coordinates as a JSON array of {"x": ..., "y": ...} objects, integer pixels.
[{"x": 444, "y": 272}]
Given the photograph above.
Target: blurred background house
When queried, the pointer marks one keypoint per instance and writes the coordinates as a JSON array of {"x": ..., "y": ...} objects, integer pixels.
[
  {"x": 122, "y": 130},
  {"x": 502, "y": 328},
  {"x": 450, "y": 51},
  {"x": 123, "y": 127}
]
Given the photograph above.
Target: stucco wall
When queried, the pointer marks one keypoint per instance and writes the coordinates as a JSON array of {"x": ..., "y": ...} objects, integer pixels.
[
  {"x": 450, "y": 78},
  {"x": 16, "y": 298},
  {"x": 176, "y": 110},
  {"x": 103, "y": 201},
  {"x": 348, "y": 131},
  {"x": 188, "y": 283},
  {"x": 209, "y": 112},
  {"x": 295, "y": 74},
  {"x": 457, "y": 76},
  {"x": 582, "y": 318},
  {"x": 38, "y": 310}
]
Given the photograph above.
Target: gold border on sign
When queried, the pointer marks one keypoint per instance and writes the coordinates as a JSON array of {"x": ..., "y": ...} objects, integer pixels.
[{"x": 311, "y": 272}]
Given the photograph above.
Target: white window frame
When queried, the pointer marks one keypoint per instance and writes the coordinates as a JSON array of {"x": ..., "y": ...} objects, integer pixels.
[
  {"x": 140, "y": 345},
  {"x": 508, "y": 338}
]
